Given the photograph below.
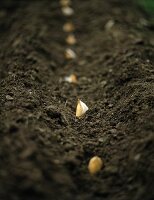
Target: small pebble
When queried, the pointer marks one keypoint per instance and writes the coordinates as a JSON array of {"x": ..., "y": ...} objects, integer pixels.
[
  {"x": 95, "y": 165},
  {"x": 137, "y": 157},
  {"x": 113, "y": 131},
  {"x": 103, "y": 83},
  {"x": 110, "y": 70},
  {"x": 110, "y": 105},
  {"x": 8, "y": 97}
]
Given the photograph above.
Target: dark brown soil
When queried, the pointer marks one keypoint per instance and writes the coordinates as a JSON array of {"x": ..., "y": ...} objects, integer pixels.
[{"x": 44, "y": 149}]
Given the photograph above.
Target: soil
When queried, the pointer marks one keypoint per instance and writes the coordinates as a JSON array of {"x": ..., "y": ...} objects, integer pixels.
[{"x": 44, "y": 148}]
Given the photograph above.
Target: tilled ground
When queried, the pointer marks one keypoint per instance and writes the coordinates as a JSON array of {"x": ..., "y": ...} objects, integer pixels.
[{"x": 44, "y": 148}]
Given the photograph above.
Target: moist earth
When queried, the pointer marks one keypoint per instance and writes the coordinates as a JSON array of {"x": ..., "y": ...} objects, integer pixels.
[{"x": 44, "y": 148}]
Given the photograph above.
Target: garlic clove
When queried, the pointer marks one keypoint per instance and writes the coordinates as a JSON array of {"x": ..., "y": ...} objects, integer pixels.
[
  {"x": 70, "y": 54},
  {"x": 65, "y": 2},
  {"x": 68, "y": 27},
  {"x": 95, "y": 165},
  {"x": 81, "y": 109},
  {"x": 109, "y": 25},
  {"x": 71, "y": 79},
  {"x": 71, "y": 40},
  {"x": 67, "y": 11}
]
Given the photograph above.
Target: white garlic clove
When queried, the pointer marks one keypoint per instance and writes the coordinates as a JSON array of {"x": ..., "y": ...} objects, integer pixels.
[
  {"x": 70, "y": 54},
  {"x": 67, "y": 11},
  {"x": 95, "y": 165},
  {"x": 71, "y": 79},
  {"x": 109, "y": 25},
  {"x": 81, "y": 109}
]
